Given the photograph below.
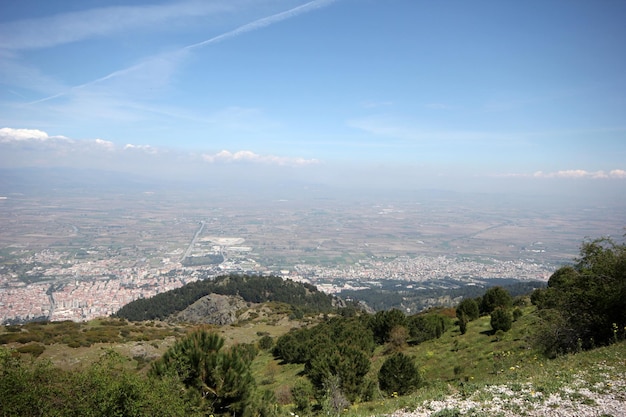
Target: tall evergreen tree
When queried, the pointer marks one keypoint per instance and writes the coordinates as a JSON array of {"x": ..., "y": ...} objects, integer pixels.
[{"x": 222, "y": 378}]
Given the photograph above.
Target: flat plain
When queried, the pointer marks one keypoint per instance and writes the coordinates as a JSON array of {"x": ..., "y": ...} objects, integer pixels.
[{"x": 82, "y": 254}]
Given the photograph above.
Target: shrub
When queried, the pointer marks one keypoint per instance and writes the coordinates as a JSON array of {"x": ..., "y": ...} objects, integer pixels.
[
  {"x": 397, "y": 339},
  {"x": 423, "y": 327},
  {"x": 469, "y": 307},
  {"x": 399, "y": 375},
  {"x": 501, "y": 320},
  {"x": 302, "y": 394},
  {"x": 266, "y": 343},
  {"x": 463, "y": 323},
  {"x": 383, "y": 322},
  {"x": 495, "y": 297},
  {"x": 583, "y": 301},
  {"x": 34, "y": 349}
]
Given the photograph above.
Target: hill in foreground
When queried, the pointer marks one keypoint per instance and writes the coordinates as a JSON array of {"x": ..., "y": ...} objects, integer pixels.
[{"x": 498, "y": 358}]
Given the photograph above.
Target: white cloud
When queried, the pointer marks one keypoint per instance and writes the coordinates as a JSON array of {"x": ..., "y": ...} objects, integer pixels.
[
  {"x": 581, "y": 174},
  {"x": 143, "y": 148},
  {"x": 23, "y": 140},
  {"x": 249, "y": 156},
  {"x": 617, "y": 173},
  {"x": 8, "y": 135},
  {"x": 26, "y": 138},
  {"x": 110, "y": 146}
]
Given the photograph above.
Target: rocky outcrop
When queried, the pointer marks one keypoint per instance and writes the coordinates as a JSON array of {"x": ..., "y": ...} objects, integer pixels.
[{"x": 215, "y": 309}]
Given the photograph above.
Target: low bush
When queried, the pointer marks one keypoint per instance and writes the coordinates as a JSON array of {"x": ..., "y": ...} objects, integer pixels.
[{"x": 34, "y": 349}]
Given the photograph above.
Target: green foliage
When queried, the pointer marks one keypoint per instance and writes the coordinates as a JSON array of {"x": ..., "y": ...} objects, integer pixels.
[
  {"x": 495, "y": 297},
  {"x": 81, "y": 334},
  {"x": 383, "y": 322},
  {"x": 468, "y": 307},
  {"x": 256, "y": 289},
  {"x": 299, "y": 345},
  {"x": 263, "y": 404},
  {"x": 397, "y": 339},
  {"x": 291, "y": 347},
  {"x": 105, "y": 388},
  {"x": 399, "y": 375},
  {"x": 222, "y": 378},
  {"x": 266, "y": 342},
  {"x": 339, "y": 347},
  {"x": 501, "y": 319},
  {"x": 34, "y": 349},
  {"x": 303, "y": 395},
  {"x": 348, "y": 364},
  {"x": 426, "y": 326},
  {"x": 463, "y": 320},
  {"x": 583, "y": 302}
]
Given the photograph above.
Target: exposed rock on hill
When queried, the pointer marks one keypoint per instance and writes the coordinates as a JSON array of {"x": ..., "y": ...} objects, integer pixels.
[{"x": 212, "y": 309}]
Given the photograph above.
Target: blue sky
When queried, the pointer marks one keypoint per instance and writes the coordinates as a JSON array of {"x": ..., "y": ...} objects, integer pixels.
[{"x": 481, "y": 95}]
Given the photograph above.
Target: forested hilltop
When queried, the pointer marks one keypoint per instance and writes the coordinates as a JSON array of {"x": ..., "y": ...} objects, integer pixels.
[
  {"x": 304, "y": 298},
  {"x": 559, "y": 349}
]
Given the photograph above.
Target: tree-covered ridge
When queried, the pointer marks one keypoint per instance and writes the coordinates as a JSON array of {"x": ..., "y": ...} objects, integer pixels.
[{"x": 255, "y": 289}]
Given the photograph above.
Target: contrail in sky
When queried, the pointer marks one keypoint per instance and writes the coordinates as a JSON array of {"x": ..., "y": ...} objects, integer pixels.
[
  {"x": 263, "y": 22},
  {"x": 248, "y": 27}
]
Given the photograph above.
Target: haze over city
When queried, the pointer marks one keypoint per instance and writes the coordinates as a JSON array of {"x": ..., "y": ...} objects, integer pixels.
[{"x": 482, "y": 96}]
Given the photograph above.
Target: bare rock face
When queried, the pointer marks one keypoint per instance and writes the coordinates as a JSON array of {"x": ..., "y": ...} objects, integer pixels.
[{"x": 215, "y": 309}]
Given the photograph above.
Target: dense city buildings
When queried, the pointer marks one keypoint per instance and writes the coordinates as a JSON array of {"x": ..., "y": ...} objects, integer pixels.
[
  {"x": 76, "y": 257},
  {"x": 86, "y": 290}
]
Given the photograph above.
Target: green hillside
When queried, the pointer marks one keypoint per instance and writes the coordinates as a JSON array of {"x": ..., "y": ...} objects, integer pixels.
[{"x": 558, "y": 348}]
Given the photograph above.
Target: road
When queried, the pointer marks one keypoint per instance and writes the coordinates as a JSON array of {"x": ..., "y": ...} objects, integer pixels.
[{"x": 193, "y": 242}]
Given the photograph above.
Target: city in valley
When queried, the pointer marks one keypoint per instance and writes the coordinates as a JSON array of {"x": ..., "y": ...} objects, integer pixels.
[{"x": 80, "y": 255}]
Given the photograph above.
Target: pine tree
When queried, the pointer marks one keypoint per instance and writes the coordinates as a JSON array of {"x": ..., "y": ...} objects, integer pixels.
[
  {"x": 399, "y": 375},
  {"x": 222, "y": 378}
]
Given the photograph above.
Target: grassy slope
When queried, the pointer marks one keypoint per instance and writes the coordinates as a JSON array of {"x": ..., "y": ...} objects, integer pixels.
[
  {"x": 455, "y": 364},
  {"x": 482, "y": 362}
]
